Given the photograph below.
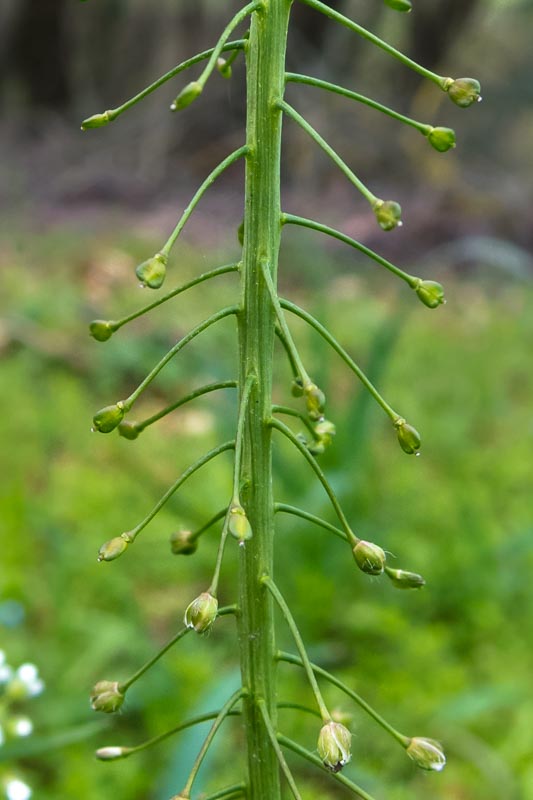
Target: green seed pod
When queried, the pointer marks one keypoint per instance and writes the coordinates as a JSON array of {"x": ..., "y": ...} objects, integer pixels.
[
  {"x": 112, "y": 549},
  {"x": 399, "y": 5},
  {"x": 426, "y": 753},
  {"x": 201, "y": 613},
  {"x": 96, "y": 121},
  {"x": 187, "y": 96},
  {"x": 182, "y": 543},
  {"x": 152, "y": 273},
  {"x": 110, "y": 753},
  {"x": 297, "y": 387},
  {"x": 408, "y": 437},
  {"x": 224, "y": 68},
  {"x": 128, "y": 430},
  {"x": 240, "y": 233},
  {"x": 369, "y": 557},
  {"x": 106, "y": 697},
  {"x": 405, "y": 580},
  {"x": 315, "y": 400},
  {"x": 388, "y": 214},
  {"x": 442, "y": 139},
  {"x": 430, "y": 293},
  {"x": 464, "y": 91},
  {"x": 239, "y": 525},
  {"x": 334, "y": 746},
  {"x": 101, "y": 329},
  {"x": 108, "y": 418}
]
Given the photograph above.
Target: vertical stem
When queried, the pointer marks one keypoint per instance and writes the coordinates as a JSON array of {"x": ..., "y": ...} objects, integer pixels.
[{"x": 262, "y": 232}]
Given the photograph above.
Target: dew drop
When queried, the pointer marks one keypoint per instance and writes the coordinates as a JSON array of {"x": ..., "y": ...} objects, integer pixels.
[
  {"x": 479, "y": 99},
  {"x": 142, "y": 286},
  {"x": 417, "y": 454},
  {"x": 173, "y": 106},
  {"x": 400, "y": 224},
  {"x": 93, "y": 430}
]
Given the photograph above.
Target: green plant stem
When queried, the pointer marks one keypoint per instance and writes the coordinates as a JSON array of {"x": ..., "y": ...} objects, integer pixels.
[
  {"x": 113, "y": 113},
  {"x": 330, "y": 339},
  {"x": 221, "y": 716},
  {"x": 335, "y": 157},
  {"x": 298, "y": 512},
  {"x": 290, "y": 659},
  {"x": 293, "y": 77},
  {"x": 299, "y": 707},
  {"x": 210, "y": 387},
  {"x": 209, "y": 523},
  {"x": 284, "y": 608},
  {"x": 239, "y": 436},
  {"x": 211, "y": 178},
  {"x": 275, "y": 744},
  {"x": 348, "y": 23},
  {"x": 237, "y": 790},
  {"x": 125, "y": 685},
  {"x": 225, "y": 312},
  {"x": 338, "y": 776},
  {"x": 292, "y": 412},
  {"x": 280, "y": 426},
  {"x": 291, "y": 219},
  {"x": 130, "y": 536},
  {"x": 288, "y": 340},
  {"x": 116, "y": 324},
  {"x": 288, "y": 352}
]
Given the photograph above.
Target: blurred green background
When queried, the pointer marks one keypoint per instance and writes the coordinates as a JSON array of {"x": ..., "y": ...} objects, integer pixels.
[{"x": 79, "y": 211}]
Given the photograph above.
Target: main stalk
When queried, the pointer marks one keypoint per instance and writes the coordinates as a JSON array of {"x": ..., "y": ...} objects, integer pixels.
[{"x": 262, "y": 232}]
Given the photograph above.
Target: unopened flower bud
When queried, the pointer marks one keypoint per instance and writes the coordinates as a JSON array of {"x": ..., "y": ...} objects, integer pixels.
[
  {"x": 464, "y": 91},
  {"x": 182, "y": 543},
  {"x": 239, "y": 524},
  {"x": 430, "y": 293},
  {"x": 405, "y": 580},
  {"x": 442, "y": 139},
  {"x": 112, "y": 549},
  {"x": 369, "y": 557},
  {"x": 101, "y": 330},
  {"x": 334, "y": 746},
  {"x": 106, "y": 697},
  {"x": 399, "y": 5},
  {"x": 426, "y": 753},
  {"x": 128, "y": 430},
  {"x": 152, "y": 272},
  {"x": 316, "y": 448},
  {"x": 408, "y": 437},
  {"x": 201, "y": 613},
  {"x": 315, "y": 400},
  {"x": 297, "y": 387},
  {"x": 224, "y": 68},
  {"x": 187, "y": 96},
  {"x": 110, "y": 753},
  {"x": 96, "y": 121},
  {"x": 388, "y": 214},
  {"x": 108, "y": 418},
  {"x": 325, "y": 430}
]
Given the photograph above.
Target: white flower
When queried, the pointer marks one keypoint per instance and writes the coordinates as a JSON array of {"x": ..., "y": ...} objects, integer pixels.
[
  {"x": 17, "y": 790},
  {"x": 28, "y": 674},
  {"x": 22, "y": 726}
]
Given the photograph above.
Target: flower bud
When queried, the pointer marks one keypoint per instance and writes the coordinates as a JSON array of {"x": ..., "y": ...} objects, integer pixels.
[
  {"x": 112, "y": 549},
  {"x": 201, "y": 613},
  {"x": 152, "y": 272},
  {"x": 405, "y": 580},
  {"x": 369, "y": 557},
  {"x": 315, "y": 400},
  {"x": 408, "y": 437},
  {"x": 107, "y": 419},
  {"x": 128, "y": 430},
  {"x": 96, "y": 121},
  {"x": 106, "y": 697},
  {"x": 325, "y": 430},
  {"x": 110, "y": 753},
  {"x": 430, "y": 293},
  {"x": 239, "y": 524},
  {"x": 297, "y": 387},
  {"x": 182, "y": 543},
  {"x": 388, "y": 214},
  {"x": 187, "y": 96},
  {"x": 442, "y": 139},
  {"x": 224, "y": 68},
  {"x": 464, "y": 91},
  {"x": 426, "y": 753},
  {"x": 316, "y": 448},
  {"x": 101, "y": 330},
  {"x": 334, "y": 746},
  {"x": 399, "y": 5}
]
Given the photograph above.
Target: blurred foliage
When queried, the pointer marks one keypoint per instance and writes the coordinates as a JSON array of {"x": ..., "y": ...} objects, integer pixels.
[{"x": 452, "y": 661}]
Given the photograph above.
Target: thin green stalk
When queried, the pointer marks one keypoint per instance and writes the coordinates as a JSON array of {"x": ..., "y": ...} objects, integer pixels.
[
  {"x": 280, "y": 426},
  {"x": 299, "y": 707},
  {"x": 239, "y": 436},
  {"x": 113, "y": 113},
  {"x": 275, "y": 744},
  {"x": 348, "y": 23},
  {"x": 211, "y": 178},
  {"x": 291, "y": 219},
  {"x": 221, "y": 716},
  {"x": 210, "y": 387},
  {"x": 130, "y": 536},
  {"x": 209, "y": 523},
  {"x": 338, "y": 776},
  {"x": 335, "y": 157},
  {"x": 292, "y": 412},
  {"x": 288, "y": 352},
  {"x": 293, "y": 77},
  {"x": 298, "y": 512},
  {"x": 230, "y": 792},
  {"x": 284, "y": 608},
  {"x": 330, "y": 339},
  {"x": 290, "y": 659},
  {"x": 225, "y": 312}
]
